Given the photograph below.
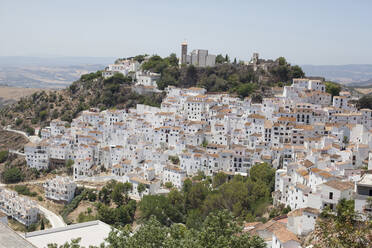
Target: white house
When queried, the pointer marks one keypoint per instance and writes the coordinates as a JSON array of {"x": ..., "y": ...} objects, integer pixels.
[
  {"x": 175, "y": 175},
  {"x": 283, "y": 238},
  {"x": 302, "y": 221}
]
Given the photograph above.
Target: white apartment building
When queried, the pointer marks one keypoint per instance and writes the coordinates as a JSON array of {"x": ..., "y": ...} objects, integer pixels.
[
  {"x": 60, "y": 189},
  {"x": 36, "y": 155},
  {"x": 19, "y": 208}
]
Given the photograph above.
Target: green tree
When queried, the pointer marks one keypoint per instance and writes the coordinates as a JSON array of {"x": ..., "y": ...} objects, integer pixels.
[
  {"x": 3, "y": 156},
  {"x": 204, "y": 143},
  {"x": 74, "y": 243},
  {"x": 127, "y": 187},
  {"x": 30, "y": 130},
  {"x": 220, "y": 59},
  {"x": 282, "y": 61},
  {"x": 104, "y": 195},
  {"x": 19, "y": 121},
  {"x": 227, "y": 59},
  {"x": 342, "y": 229},
  {"x": 219, "y": 230},
  {"x": 219, "y": 179},
  {"x": 117, "y": 194},
  {"x": 345, "y": 140},
  {"x": 141, "y": 188},
  {"x": 139, "y": 58},
  {"x": 332, "y": 88},
  {"x": 42, "y": 226},
  {"x": 245, "y": 90},
  {"x": 174, "y": 159},
  {"x": 43, "y": 115},
  {"x": 12, "y": 175},
  {"x": 168, "y": 185},
  {"x": 69, "y": 166}
]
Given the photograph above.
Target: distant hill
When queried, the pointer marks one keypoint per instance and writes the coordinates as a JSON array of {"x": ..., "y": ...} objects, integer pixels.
[
  {"x": 344, "y": 74},
  {"x": 47, "y": 72},
  {"x": 362, "y": 84}
]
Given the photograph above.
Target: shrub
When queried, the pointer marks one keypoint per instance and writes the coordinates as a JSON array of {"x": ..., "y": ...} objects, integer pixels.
[
  {"x": 19, "y": 121},
  {"x": 43, "y": 115},
  {"x": 24, "y": 190},
  {"x": 30, "y": 130},
  {"x": 12, "y": 175},
  {"x": 168, "y": 185},
  {"x": 73, "y": 204},
  {"x": 3, "y": 156},
  {"x": 174, "y": 159}
]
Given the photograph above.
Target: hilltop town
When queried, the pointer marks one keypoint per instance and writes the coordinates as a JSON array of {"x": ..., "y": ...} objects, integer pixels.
[{"x": 317, "y": 144}]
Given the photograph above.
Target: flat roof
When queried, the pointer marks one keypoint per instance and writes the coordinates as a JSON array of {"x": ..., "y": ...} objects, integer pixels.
[
  {"x": 92, "y": 233},
  {"x": 10, "y": 239}
]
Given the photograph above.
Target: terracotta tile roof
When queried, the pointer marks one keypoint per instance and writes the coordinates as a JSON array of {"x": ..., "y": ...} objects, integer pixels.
[
  {"x": 340, "y": 185},
  {"x": 284, "y": 235}
]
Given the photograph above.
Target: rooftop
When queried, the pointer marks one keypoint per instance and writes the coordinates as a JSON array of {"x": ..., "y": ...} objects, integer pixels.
[
  {"x": 10, "y": 239},
  {"x": 92, "y": 233}
]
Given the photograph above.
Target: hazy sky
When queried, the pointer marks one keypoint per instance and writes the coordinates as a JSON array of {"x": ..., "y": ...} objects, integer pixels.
[{"x": 305, "y": 32}]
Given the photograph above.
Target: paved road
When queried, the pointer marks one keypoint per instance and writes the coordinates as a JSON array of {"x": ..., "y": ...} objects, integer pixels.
[
  {"x": 54, "y": 219},
  {"x": 16, "y": 152},
  {"x": 17, "y": 131},
  {"x": 33, "y": 138}
]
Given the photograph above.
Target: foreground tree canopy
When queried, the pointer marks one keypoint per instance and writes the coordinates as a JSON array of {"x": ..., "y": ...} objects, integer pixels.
[
  {"x": 246, "y": 197},
  {"x": 219, "y": 230},
  {"x": 343, "y": 229}
]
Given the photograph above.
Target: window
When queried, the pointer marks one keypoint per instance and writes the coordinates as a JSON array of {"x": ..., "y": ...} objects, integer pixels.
[{"x": 331, "y": 195}]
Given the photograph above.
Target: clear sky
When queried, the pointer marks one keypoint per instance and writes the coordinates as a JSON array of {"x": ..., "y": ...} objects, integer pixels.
[{"x": 305, "y": 32}]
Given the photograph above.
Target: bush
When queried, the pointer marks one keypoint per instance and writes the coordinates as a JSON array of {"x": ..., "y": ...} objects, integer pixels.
[
  {"x": 168, "y": 185},
  {"x": 3, "y": 156},
  {"x": 73, "y": 204},
  {"x": 12, "y": 175},
  {"x": 19, "y": 121},
  {"x": 24, "y": 190},
  {"x": 92, "y": 196},
  {"x": 43, "y": 115},
  {"x": 39, "y": 198},
  {"x": 174, "y": 159},
  {"x": 30, "y": 130}
]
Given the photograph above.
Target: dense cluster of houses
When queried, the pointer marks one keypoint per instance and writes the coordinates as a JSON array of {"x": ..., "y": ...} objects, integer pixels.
[
  {"x": 19, "y": 208},
  {"x": 318, "y": 144},
  {"x": 145, "y": 81}
]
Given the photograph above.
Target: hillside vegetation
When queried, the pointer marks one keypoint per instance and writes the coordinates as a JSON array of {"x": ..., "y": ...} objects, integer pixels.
[
  {"x": 233, "y": 77},
  {"x": 92, "y": 90}
]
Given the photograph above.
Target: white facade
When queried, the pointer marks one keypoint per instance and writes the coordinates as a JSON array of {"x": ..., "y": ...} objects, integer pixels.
[
  {"x": 20, "y": 208},
  {"x": 60, "y": 189}
]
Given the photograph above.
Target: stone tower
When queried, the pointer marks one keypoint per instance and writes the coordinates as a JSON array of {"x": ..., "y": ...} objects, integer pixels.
[{"x": 184, "y": 53}]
